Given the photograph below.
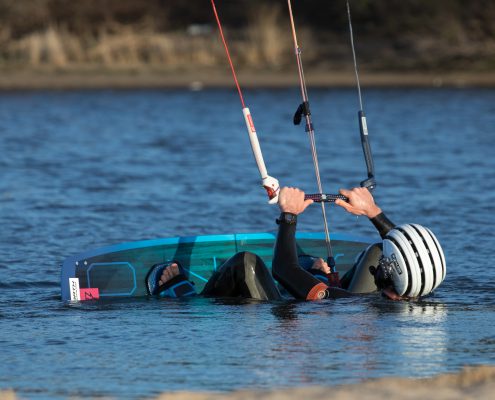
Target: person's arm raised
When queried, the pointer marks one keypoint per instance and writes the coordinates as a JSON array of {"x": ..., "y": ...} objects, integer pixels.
[
  {"x": 291, "y": 200},
  {"x": 285, "y": 266},
  {"x": 361, "y": 202}
]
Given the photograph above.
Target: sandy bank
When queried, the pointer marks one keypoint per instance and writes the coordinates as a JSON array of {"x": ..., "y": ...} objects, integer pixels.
[
  {"x": 470, "y": 383},
  {"x": 476, "y": 383},
  {"x": 7, "y": 395},
  {"x": 196, "y": 80}
]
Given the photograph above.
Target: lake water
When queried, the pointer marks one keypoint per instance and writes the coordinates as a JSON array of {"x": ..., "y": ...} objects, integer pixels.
[{"x": 84, "y": 169}]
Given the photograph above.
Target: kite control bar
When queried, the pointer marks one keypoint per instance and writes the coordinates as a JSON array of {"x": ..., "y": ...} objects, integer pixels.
[{"x": 325, "y": 198}]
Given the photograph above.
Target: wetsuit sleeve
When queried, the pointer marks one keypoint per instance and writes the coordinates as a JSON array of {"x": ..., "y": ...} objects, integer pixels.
[
  {"x": 382, "y": 224},
  {"x": 286, "y": 270}
]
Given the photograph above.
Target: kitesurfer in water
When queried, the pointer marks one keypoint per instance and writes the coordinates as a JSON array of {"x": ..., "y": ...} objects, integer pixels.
[{"x": 408, "y": 263}]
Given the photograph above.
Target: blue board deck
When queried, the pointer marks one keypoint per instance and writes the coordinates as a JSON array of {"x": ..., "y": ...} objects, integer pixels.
[{"x": 120, "y": 270}]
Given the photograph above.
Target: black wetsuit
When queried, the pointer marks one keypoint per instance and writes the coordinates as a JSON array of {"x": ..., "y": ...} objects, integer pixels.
[
  {"x": 242, "y": 275},
  {"x": 297, "y": 281},
  {"x": 246, "y": 275}
]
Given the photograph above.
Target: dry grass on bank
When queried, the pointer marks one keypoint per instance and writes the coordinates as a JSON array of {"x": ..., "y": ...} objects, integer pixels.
[
  {"x": 263, "y": 43},
  {"x": 123, "y": 48}
]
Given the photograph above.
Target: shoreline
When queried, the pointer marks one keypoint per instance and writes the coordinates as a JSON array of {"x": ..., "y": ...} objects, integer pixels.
[
  {"x": 206, "y": 79},
  {"x": 475, "y": 382}
]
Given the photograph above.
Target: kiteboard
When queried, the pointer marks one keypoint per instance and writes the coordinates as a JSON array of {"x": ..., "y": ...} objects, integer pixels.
[{"x": 119, "y": 271}]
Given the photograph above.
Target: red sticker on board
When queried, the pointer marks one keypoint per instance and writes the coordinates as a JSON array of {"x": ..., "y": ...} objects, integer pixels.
[{"x": 89, "y": 294}]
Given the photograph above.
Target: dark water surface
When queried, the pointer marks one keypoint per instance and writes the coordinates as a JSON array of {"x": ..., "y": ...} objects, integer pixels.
[{"x": 85, "y": 169}]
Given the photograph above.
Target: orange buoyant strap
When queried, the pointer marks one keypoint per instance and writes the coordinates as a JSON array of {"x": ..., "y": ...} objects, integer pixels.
[{"x": 318, "y": 292}]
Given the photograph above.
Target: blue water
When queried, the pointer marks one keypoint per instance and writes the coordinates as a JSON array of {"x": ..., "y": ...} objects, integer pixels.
[{"x": 84, "y": 169}]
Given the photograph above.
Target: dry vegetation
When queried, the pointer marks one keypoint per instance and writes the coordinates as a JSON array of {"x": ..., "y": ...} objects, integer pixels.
[
  {"x": 176, "y": 35},
  {"x": 120, "y": 46},
  {"x": 112, "y": 43}
]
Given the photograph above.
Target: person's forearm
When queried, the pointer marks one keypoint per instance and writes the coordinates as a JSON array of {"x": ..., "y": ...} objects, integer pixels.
[
  {"x": 382, "y": 224},
  {"x": 285, "y": 265},
  {"x": 286, "y": 270}
]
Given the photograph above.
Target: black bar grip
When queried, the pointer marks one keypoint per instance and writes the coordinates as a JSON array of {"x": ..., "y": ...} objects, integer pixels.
[
  {"x": 363, "y": 128},
  {"x": 327, "y": 198}
]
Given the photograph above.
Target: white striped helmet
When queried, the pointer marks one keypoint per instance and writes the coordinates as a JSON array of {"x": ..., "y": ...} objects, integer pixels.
[{"x": 415, "y": 260}]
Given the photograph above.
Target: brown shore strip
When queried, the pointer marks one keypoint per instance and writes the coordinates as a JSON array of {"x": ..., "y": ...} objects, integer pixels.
[
  {"x": 470, "y": 383},
  {"x": 200, "y": 79}
]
